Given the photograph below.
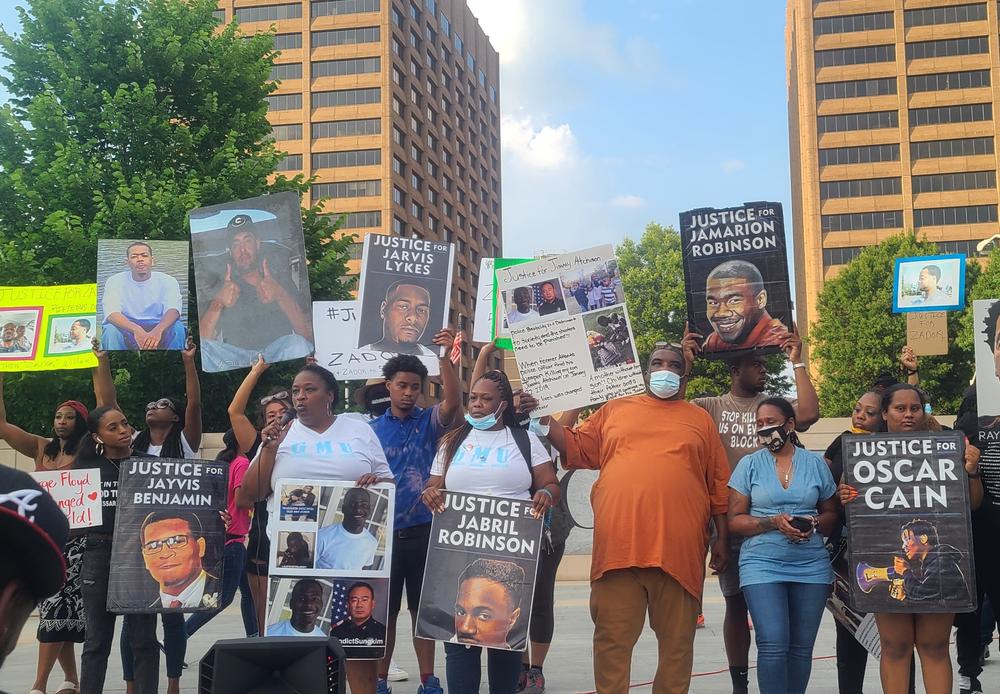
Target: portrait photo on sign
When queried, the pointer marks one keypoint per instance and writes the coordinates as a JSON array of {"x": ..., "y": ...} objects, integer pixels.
[
  {"x": 142, "y": 294},
  {"x": 296, "y": 549},
  {"x": 986, "y": 342},
  {"x": 353, "y": 527},
  {"x": 935, "y": 282},
  {"x": 252, "y": 282},
  {"x": 528, "y": 303},
  {"x": 18, "y": 332},
  {"x": 608, "y": 338},
  {"x": 69, "y": 334},
  {"x": 299, "y": 502}
]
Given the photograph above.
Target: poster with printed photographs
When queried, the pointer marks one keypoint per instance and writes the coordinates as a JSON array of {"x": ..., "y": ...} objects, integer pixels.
[
  {"x": 736, "y": 278},
  {"x": 483, "y": 557},
  {"x": 986, "y": 437},
  {"x": 404, "y": 294},
  {"x": 142, "y": 294},
  {"x": 252, "y": 282},
  {"x": 929, "y": 283},
  {"x": 910, "y": 528},
  {"x": 166, "y": 555},
  {"x": 336, "y": 324},
  {"x": 570, "y": 356},
  {"x": 355, "y": 609},
  {"x": 47, "y": 328}
]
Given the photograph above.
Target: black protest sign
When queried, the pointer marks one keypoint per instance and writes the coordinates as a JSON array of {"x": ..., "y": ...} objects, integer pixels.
[
  {"x": 404, "y": 293},
  {"x": 909, "y": 527},
  {"x": 483, "y": 553},
  {"x": 169, "y": 536},
  {"x": 736, "y": 278}
]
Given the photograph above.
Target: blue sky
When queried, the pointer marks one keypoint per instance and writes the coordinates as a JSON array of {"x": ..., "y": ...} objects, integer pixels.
[{"x": 620, "y": 113}]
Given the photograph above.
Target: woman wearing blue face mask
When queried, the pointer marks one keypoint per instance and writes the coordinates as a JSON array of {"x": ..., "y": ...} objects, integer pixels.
[
  {"x": 779, "y": 497},
  {"x": 490, "y": 455}
]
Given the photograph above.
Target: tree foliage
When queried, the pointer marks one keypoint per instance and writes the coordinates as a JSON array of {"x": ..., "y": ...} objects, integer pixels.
[{"x": 124, "y": 115}]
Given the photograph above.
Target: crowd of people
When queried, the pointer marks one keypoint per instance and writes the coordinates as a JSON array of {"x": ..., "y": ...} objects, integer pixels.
[{"x": 719, "y": 476}]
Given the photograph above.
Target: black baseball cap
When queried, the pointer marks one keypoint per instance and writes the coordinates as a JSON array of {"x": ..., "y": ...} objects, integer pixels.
[{"x": 34, "y": 528}]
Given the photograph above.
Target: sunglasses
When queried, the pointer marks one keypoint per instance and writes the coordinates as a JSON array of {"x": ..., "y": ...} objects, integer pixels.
[
  {"x": 281, "y": 395},
  {"x": 672, "y": 345},
  {"x": 161, "y": 404},
  {"x": 154, "y": 546}
]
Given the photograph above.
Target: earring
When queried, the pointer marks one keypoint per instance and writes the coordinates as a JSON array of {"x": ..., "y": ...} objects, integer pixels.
[{"x": 99, "y": 448}]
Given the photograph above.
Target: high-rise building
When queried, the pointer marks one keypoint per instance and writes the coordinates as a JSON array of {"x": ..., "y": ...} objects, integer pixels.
[
  {"x": 394, "y": 107},
  {"x": 891, "y": 106}
]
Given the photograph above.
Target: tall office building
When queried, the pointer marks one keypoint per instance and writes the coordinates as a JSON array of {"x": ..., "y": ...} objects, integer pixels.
[
  {"x": 393, "y": 105},
  {"x": 891, "y": 106}
]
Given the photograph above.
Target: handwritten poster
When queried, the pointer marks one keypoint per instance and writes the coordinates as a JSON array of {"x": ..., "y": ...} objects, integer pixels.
[
  {"x": 47, "y": 328},
  {"x": 78, "y": 493}
]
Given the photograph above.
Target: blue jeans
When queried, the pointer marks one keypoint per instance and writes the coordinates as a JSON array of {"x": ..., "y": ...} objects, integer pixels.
[
  {"x": 464, "y": 669},
  {"x": 234, "y": 575},
  {"x": 218, "y": 356},
  {"x": 114, "y": 338},
  {"x": 174, "y": 645},
  {"x": 786, "y": 617}
]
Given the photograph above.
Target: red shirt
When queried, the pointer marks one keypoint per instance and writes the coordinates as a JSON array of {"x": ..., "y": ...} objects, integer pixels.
[{"x": 241, "y": 516}]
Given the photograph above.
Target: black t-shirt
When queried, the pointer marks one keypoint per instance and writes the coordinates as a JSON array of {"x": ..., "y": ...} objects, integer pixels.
[
  {"x": 986, "y": 437},
  {"x": 835, "y": 454}
]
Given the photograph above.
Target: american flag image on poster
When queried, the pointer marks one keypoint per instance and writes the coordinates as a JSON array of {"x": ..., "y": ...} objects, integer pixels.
[{"x": 338, "y": 605}]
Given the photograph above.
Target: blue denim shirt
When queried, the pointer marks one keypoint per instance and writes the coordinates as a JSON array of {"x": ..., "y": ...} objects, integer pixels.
[{"x": 410, "y": 445}]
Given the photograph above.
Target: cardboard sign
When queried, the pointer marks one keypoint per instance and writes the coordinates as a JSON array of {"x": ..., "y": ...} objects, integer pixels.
[
  {"x": 934, "y": 282},
  {"x": 910, "y": 528},
  {"x": 482, "y": 322},
  {"x": 166, "y": 555},
  {"x": 927, "y": 333},
  {"x": 46, "y": 328},
  {"x": 78, "y": 493},
  {"x": 336, "y": 324},
  {"x": 477, "y": 543},
  {"x": 736, "y": 278}
]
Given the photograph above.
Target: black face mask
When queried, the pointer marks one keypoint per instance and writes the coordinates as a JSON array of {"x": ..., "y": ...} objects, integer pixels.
[{"x": 773, "y": 438}]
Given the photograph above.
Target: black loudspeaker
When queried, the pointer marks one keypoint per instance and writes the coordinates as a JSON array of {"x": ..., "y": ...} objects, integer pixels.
[{"x": 273, "y": 665}]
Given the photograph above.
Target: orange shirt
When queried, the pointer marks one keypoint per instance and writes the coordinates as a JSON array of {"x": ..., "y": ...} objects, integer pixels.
[{"x": 663, "y": 475}]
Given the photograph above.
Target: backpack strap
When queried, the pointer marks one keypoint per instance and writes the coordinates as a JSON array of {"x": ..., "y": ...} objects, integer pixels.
[{"x": 524, "y": 446}]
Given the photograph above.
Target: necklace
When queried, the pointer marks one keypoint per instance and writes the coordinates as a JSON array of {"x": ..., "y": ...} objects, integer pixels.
[{"x": 783, "y": 476}]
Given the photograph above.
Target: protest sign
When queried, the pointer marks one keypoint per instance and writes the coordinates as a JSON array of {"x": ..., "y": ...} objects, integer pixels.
[
  {"x": 500, "y": 329},
  {"x": 78, "y": 493},
  {"x": 252, "y": 281},
  {"x": 142, "y": 294},
  {"x": 986, "y": 434},
  {"x": 862, "y": 626},
  {"x": 336, "y": 324},
  {"x": 910, "y": 529},
  {"x": 927, "y": 332},
  {"x": 166, "y": 555},
  {"x": 934, "y": 282},
  {"x": 404, "y": 294},
  {"x": 45, "y": 328},
  {"x": 568, "y": 354},
  {"x": 736, "y": 278},
  {"x": 479, "y": 544},
  {"x": 482, "y": 320}
]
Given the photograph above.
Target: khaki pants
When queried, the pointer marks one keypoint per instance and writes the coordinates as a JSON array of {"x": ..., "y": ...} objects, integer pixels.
[{"x": 619, "y": 602}]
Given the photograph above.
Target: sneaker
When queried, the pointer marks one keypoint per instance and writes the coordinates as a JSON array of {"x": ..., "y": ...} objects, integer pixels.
[
  {"x": 986, "y": 652},
  {"x": 396, "y": 673},
  {"x": 431, "y": 686},
  {"x": 535, "y": 682},
  {"x": 700, "y": 624},
  {"x": 383, "y": 687},
  {"x": 969, "y": 685}
]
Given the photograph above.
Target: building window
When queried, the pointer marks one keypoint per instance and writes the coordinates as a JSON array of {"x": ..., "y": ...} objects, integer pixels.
[
  {"x": 862, "y": 220},
  {"x": 945, "y": 216},
  {"x": 325, "y": 8},
  {"x": 353, "y": 157},
  {"x": 944, "y": 15},
  {"x": 268, "y": 13},
  {"x": 948, "y": 80},
  {"x": 840, "y": 256},
  {"x": 445, "y": 24},
  {"x": 397, "y": 17},
  {"x": 347, "y": 97},
  {"x": 398, "y": 137},
  {"x": 951, "y": 114},
  {"x": 284, "y": 102},
  {"x": 858, "y": 155},
  {"x": 416, "y": 210},
  {"x": 965, "y": 147},
  {"x": 493, "y": 94},
  {"x": 287, "y": 132},
  {"x": 343, "y": 37},
  {"x": 398, "y": 166},
  {"x": 347, "y": 189},
  {"x": 347, "y": 128},
  {"x": 398, "y": 196},
  {"x": 860, "y": 188},
  {"x": 947, "y": 47},
  {"x": 969, "y": 180},
  {"x": 355, "y": 250},
  {"x": 416, "y": 182},
  {"x": 855, "y": 88},
  {"x": 347, "y": 66},
  {"x": 855, "y": 56},
  {"x": 459, "y": 46},
  {"x": 966, "y": 247},
  {"x": 398, "y": 226},
  {"x": 219, "y": 15},
  {"x": 858, "y": 121},
  {"x": 293, "y": 162},
  {"x": 286, "y": 41},
  {"x": 361, "y": 220},
  {"x": 286, "y": 71},
  {"x": 852, "y": 22}
]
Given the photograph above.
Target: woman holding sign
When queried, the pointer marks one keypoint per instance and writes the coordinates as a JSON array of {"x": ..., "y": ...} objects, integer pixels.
[
  {"x": 903, "y": 409},
  {"x": 60, "y": 618},
  {"x": 489, "y": 455},
  {"x": 336, "y": 448}
]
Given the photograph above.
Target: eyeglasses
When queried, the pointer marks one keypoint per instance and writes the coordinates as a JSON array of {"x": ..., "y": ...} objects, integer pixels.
[
  {"x": 161, "y": 404},
  {"x": 154, "y": 546},
  {"x": 281, "y": 395},
  {"x": 672, "y": 345}
]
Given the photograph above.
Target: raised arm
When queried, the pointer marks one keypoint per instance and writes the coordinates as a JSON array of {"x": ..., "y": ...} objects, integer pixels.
[
  {"x": 257, "y": 480},
  {"x": 192, "y": 387},
  {"x": 246, "y": 432},
  {"x": 807, "y": 401},
  {"x": 451, "y": 389},
  {"x": 483, "y": 361},
  {"x": 104, "y": 384},
  {"x": 908, "y": 360},
  {"x": 30, "y": 445}
]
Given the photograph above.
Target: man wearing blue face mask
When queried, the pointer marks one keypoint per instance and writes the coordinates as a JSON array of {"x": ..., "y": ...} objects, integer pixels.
[{"x": 663, "y": 476}]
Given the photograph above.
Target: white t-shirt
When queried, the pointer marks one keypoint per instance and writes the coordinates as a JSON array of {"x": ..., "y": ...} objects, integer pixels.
[
  {"x": 345, "y": 451},
  {"x": 185, "y": 448},
  {"x": 489, "y": 463},
  {"x": 338, "y": 549},
  {"x": 285, "y": 628},
  {"x": 516, "y": 316},
  {"x": 147, "y": 300}
]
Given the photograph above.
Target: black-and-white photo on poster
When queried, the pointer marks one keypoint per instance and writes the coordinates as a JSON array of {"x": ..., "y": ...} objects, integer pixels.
[
  {"x": 909, "y": 526},
  {"x": 736, "y": 278},
  {"x": 483, "y": 556},
  {"x": 166, "y": 554},
  {"x": 252, "y": 282},
  {"x": 404, "y": 293}
]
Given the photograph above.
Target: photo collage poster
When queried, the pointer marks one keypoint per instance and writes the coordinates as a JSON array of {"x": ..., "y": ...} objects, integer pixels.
[{"x": 46, "y": 328}]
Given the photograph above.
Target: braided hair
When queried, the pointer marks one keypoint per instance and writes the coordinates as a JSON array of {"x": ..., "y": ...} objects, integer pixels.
[{"x": 453, "y": 439}]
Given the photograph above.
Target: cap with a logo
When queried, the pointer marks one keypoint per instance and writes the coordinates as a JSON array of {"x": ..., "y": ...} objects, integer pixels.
[{"x": 34, "y": 528}]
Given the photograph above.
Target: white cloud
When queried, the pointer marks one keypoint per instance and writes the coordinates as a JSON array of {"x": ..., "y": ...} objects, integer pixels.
[
  {"x": 628, "y": 201},
  {"x": 733, "y": 165},
  {"x": 546, "y": 147}
]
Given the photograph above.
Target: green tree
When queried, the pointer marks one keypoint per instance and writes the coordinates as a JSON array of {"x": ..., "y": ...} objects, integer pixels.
[
  {"x": 652, "y": 273},
  {"x": 124, "y": 115},
  {"x": 857, "y": 336}
]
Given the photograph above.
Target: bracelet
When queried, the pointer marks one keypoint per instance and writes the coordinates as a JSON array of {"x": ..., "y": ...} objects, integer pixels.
[
  {"x": 547, "y": 493},
  {"x": 799, "y": 365},
  {"x": 912, "y": 373}
]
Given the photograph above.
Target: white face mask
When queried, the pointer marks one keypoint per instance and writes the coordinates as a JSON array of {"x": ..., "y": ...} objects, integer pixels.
[{"x": 664, "y": 384}]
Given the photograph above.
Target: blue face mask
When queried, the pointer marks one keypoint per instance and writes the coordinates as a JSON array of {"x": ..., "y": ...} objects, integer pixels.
[
  {"x": 482, "y": 423},
  {"x": 664, "y": 384}
]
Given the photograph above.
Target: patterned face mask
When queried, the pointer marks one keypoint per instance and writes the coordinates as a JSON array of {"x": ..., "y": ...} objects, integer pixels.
[{"x": 773, "y": 438}]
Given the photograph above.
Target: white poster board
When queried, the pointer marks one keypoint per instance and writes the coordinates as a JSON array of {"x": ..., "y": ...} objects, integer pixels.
[
  {"x": 482, "y": 325},
  {"x": 78, "y": 493}
]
